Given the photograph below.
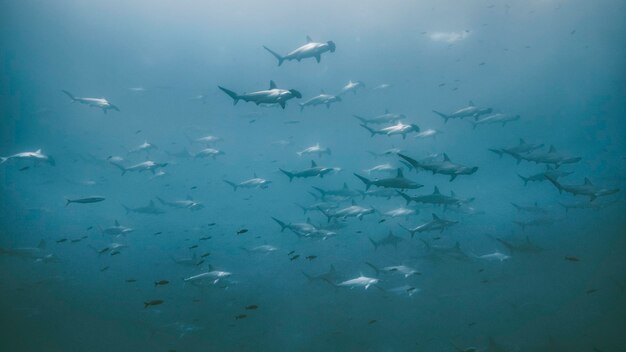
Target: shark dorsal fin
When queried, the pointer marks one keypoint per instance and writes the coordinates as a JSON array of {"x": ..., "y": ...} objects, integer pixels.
[
  {"x": 42, "y": 244},
  {"x": 457, "y": 245},
  {"x": 435, "y": 217},
  {"x": 386, "y": 111},
  {"x": 117, "y": 223},
  {"x": 400, "y": 174},
  {"x": 445, "y": 157},
  {"x": 308, "y": 39},
  {"x": 308, "y": 220},
  {"x": 255, "y": 176},
  {"x": 272, "y": 85},
  {"x": 522, "y": 141},
  {"x": 471, "y": 103},
  {"x": 38, "y": 151},
  {"x": 189, "y": 197},
  {"x": 210, "y": 267},
  {"x": 313, "y": 163},
  {"x": 436, "y": 191},
  {"x": 588, "y": 182},
  {"x": 353, "y": 202},
  {"x": 345, "y": 185},
  {"x": 552, "y": 149},
  {"x": 322, "y": 91},
  {"x": 332, "y": 268}
]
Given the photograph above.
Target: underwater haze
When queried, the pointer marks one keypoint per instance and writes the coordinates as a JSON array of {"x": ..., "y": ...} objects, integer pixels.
[{"x": 312, "y": 176}]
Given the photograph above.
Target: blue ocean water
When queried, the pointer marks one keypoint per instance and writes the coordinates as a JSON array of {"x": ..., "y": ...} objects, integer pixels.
[{"x": 502, "y": 231}]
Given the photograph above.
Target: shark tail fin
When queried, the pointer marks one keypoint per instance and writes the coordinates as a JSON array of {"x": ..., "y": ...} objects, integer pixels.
[
  {"x": 127, "y": 209},
  {"x": 234, "y": 185},
  {"x": 412, "y": 232},
  {"x": 283, "y": 226},
  {"x": 120, "y": 167},
  {"x": 497, "y": 151},
  {"x": 68, "y": 201},
  {"x": 231, "y": 94},
  {"x": 525, "y": 179},
  {"x": 365, "y": 180},
  {"x": 3, "y": 159},
  {"x": 275, "y": 54},
  {"x": 327, "y": 214},
  {"x": 373, "y": 267},
  {"x": 309, "y": 277},
  {"x": 376, "y": 244},
  {"x": 289, "y": 174},
  {"x": 405, "y": 196},
  {"x": 69, "y": 95},
  {"x": 373, "y": 132},
  {"x": 362, "y": 119},
  {"x": 444, "y": 116},
  {"x": 302, "y": 207},
  {"x": 555, "y": 183}
]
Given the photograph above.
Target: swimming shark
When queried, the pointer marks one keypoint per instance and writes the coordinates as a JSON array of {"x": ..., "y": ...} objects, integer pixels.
[
  {"x": 308, "y": 50},
  {"x": 208, "y": 152},
  {"x": 322, "y": 99},
  {"x": 494, "y": 118},
  {"x": 313, "y": 171},
  {"x": 469, "y": 111},
  {"x": 445, "y": 167},
  {"x": 306, "y": 229},
  {"x": 525, "y": 247},
  {"x": 315, "y": 149},
  {"x": 436, "y": 198},
  {"x": 387, "y": 117},
  {"x": 352, "y": 211},
  {"x": 428, "y": 133},
  {"x": 214, "y": 276},
  {"x": 382, "y": 168},
  {"x": 492, "y": 257},
  {"x": 441, "y": 252},
  {"x": 262, "y": 249},
  {"x": 543, "y": 176},
  {"x": 360, "y": 281},
  {"x": 586, "y": 189},
  {"x": 397, "y": 129},
  {"x": 148, "y": 209},
  {"x": 389, "y": 240},
  {"x": 37, "y": 156},
  {"x": 397, "y": 182},
  {"x": 117, "y": 230},
  {"x": 273, "y": 95},
  {"x": 344, "y": 192},
  {"x": 331, "y": 276},
  {"x": 101, "y": 103},
  {"x": 255, "y": 182},
  {"x": 533, "y": 209},
  {"x": 540, "y": 221},
  {"x": 147, "y": 165},
  {"x": 352, "y": 87},
  {"x": 39, "y": 254},
  {"x": 400, "y": 269},
  {"x": 398, "y": 212},
  {"x": 521, "y": 148},
  {"x": 316, "y": 206},
  {"x": 550, "y": 157},
  {"x": 436, "y": 224},
  {"x": 188, "y": 203}
]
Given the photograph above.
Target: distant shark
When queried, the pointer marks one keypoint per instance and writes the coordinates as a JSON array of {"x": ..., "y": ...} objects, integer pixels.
[{"x": 308, "y": 50}]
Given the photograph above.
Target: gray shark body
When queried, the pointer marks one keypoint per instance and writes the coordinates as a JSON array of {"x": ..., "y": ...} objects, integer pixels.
[
  {"x": 445, "y": 167},
  {"x": 309, "y": 50},
  {"x": 273, "y": 95},
  {"x": 398, "y": 182}
]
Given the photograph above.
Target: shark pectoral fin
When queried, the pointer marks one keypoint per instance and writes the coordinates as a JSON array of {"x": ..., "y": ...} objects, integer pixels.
[{"x": 318, "y": 58}]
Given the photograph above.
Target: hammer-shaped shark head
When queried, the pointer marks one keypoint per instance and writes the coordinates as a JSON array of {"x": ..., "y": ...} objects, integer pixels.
[
  {"x": 331, "y": 46},
  {"x": 295, "y": 93}
]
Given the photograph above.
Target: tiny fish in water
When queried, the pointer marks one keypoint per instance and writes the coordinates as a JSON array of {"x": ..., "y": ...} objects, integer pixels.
[
  {"x": 89, "y": 228},
  {"x": 194, "y": 246},
  {"x": 104, "y": 269},
  {"x": 252, "y": 307},
  {"x": 161, "y": 283},
  {"x": 290, "y": 253},
  {"x": 205, "y": 255},
  {"x": 61, "y": 240},
  {"x": 242, "y": 231},
  {"x": 157, "y": 233},
  {"x": 200, "y": 262},
  {"x": 295, "y": 257},
  {"x": 311, "y": 257},
  {"x": 131, "y": 280},
  {"x": 86, "y": 200},
  {"x": 154, "y": 302},
  {"x": 572, "y": 258},
  {"x": 372, "y": 321},
  {"x": 24, "y": 168},
  {"x": 212, "y": 224},
  {"x": 592, "y": 291},
  {"x": 241, "y": 316},
  {"x": 138, "y": 131},
  {"x": 381, "y": 221},
  {"x": 205, "y": 238},
  {"x": 194, "y": 187}
]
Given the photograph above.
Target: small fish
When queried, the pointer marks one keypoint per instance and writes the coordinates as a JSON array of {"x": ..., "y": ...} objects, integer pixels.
[
  {"x": 372, "y": 322},
  {"x": 441, "y": 84},
  {"x": 252, "y": 307},
  {"x": 157, "y": 233},
  {"x": 200, "y": 262},
  {"x": 194, "y": 187},
  {"x": 161, "y": 283},
  {"x": 24, "y": 168},
  {"x": 138, "y": 131},
  {"x": 76, "y": 240},
  {"x": 311, "y": 257},
  {"x": 241, "y": 316},
  {"x": 154, "y": 302},
  {"x": 481, "y": 64},
  {"x": 89, "y": 228},
  {"x": 61, "y": 240},
  {"x": 104, "y": 269},
  {"x": 382, "y": 220},
  {"x": 205, "y": 238},
  {"x": 572, "y": 258},
  {"x": 212, "y": 224},
  {"x": 359, "y": 231},
  {"x": 194, "y": 246},
  {"x": 205, "y": 255},
  {"x": 592, "y": 291},
  {"x": 115, "y": 253},
  {"x": 242, "y": 231},
  {"x": 295, "y": 257},
  {"x": 290, "y": 253},
  {"x": 131, "y": 280},
  {"x": 572, "y": 32}
]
